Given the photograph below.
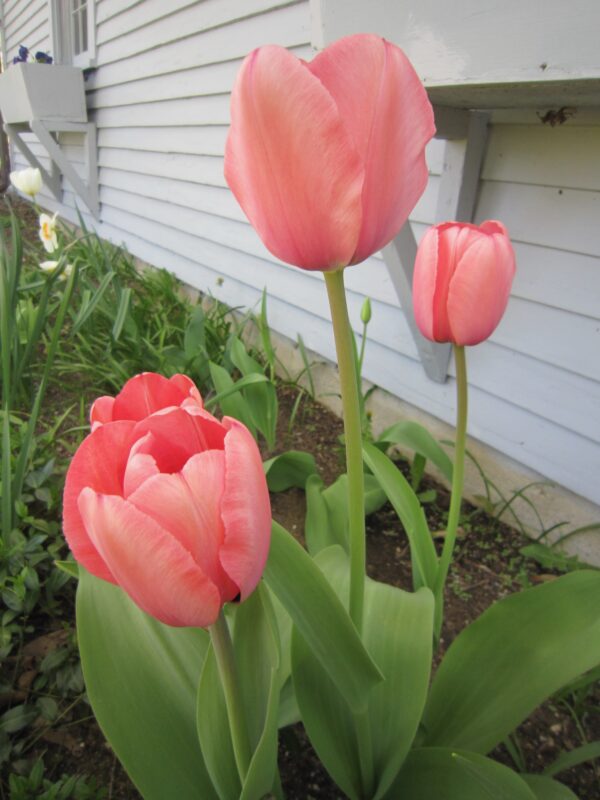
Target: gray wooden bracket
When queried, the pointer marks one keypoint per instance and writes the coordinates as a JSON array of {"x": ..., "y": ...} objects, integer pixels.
[
  {"x": 46, "y": 131},
  {"x": 466, "y": 134}
]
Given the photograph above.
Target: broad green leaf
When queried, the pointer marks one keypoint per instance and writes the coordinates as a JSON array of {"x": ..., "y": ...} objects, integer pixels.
[
  {"x": 398, "y": 632},
  {"x": 519, "y": 652},
  {"x": 437, "y": 773},
  {"x": 141, "y": 679},
  {"x": 292, "y": 468},
  {"x": 546, "y": 789},
  {"x": 326, "y": 521},
  {"x": 317, "y": 533},
  {"x": 258, "y": 658},
  {"x": 230, "y": 400},
  {"x": 375, "y": 497},
  {"x": 410, "y": 511},
  {"x": 417, "y": 438},
  {"x": 213, "y": 731},
  {"x": 320, "y": 617},
  {"x": 586, "y": 752}
]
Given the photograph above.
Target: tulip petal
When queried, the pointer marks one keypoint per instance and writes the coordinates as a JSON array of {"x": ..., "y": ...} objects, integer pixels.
[
  {"x": 145, "y": 394},
  {"x": 424, "y": 279},
  {"x": 450, "y": 240},
  {"x": 291, "y": 164},
  {"x": 187, "y": 387},
  {"x": 390, "y": 120},
  {"x": 245, "y": 509},
  {"x": 178, "y": 434},
  {"x": 188, "y": 506},
  {"x": 157, "y": 573},
  {"x": 479, "y": 290},
  {"x": 101, "y": 411},
  {"x": 99, "y": 463},
  {"x": 140, "y": 465}
]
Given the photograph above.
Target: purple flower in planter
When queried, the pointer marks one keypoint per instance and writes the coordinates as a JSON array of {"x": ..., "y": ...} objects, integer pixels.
[
  {"x": 23, "y": 57},
  {"x": 43, "y": 58}
]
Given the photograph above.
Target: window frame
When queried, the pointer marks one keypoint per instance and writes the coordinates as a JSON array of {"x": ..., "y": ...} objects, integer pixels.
[{"x": 61, "y": 13}]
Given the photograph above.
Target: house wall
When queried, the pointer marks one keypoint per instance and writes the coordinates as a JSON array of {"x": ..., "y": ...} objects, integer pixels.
[{"x": 160, "y": 99}]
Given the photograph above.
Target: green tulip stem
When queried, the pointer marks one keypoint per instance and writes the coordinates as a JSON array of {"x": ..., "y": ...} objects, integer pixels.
[
  {"x": 344, "y": 345},
  {"x": 223, "y": 647},
  {"x": 457, "y": 478}
]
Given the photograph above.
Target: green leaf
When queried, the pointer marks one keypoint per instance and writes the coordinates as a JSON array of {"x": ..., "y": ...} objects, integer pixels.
[
  {"x": 375, "y": 497},
  {"x": 70, "y": 567},
  {"x": 398, "y": 633},
  {"x": 122, "y": 312},
  {"x": 546, "y": 789},
  {"x": 417, "y": 438},
  {"x": 519, "y": 652},
  {"x": 230, "y": 400},
  {"x": 446, "y": 774},
  {"x": 317, "y": 530},
  {"x": 326, "y": 521},
  {"x": 91, "y": 301},
  {"x": 194, "y": 337},
  {"x": 410, "y": 511},
  {"x": 213, "y": 731},
  {"x": 17, "y": 718},
  {"x": 258, "y": 658},
  {"x": 320, "y": 617},
  {"x": 256, "y": 648},
  {"x": 262, "y": 398},
  {"x": 574, "y": 757},
  {"x": 290, "y": 469},
  {"x": 141, "y": 678}
]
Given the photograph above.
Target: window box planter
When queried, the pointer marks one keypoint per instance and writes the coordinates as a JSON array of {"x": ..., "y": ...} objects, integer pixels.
[{"x": 42, "y": 92}]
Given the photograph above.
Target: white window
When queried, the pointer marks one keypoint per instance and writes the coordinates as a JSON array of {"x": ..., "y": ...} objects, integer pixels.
[{"x": 73, "y": 32}]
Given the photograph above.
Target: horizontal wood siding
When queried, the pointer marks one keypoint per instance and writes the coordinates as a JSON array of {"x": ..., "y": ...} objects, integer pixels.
[{"x": 160, "y": 99}]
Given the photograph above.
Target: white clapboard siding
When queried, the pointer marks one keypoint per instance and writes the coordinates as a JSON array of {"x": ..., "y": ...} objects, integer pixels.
[
  {"x": 564, "y": 219},
  {"x": 509, "y": 155},
  {"x": 172, "y": 22},
  {"x": 160, "y": 100},
  {"x": 287, "y": 26}
]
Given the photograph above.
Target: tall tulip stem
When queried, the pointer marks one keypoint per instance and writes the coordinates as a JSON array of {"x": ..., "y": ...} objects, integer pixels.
[
  {"x": 457, "y": 478},
  {"x": 353, "y": 435},
  {"x": 223, "y": 647}
]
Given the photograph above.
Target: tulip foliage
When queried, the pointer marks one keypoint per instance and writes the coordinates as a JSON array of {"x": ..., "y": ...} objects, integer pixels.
[{"x": 203, "y": 628}]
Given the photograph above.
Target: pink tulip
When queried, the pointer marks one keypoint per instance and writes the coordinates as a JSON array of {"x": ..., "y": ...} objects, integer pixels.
[
  {"x": 171, "y": 505},
  {"x": 327, "y": 159},
  {"x": 462, "y": 279},
  {"x": 144, "y": 394}
]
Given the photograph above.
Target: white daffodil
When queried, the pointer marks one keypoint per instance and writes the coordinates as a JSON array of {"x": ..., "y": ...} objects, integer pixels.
[
  {"x": 50, "y": 266},
  {"x": 28, "y": 181},
  {"x": 48, "y": 232}
]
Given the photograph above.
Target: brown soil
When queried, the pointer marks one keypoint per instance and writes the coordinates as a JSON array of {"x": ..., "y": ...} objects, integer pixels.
[{"x": 488, "y": 566}]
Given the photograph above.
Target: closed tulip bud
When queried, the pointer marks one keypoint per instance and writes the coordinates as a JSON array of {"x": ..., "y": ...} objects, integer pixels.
[
  {"x": 462, "y": 279},
  {"x": 28, "y": 181},
  {"x": 365, "y": 311},
  {"x": 327, "y": 158},
  {"x": 168, "y": 502}
]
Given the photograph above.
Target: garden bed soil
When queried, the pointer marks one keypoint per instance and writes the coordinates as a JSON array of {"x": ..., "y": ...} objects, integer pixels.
[{"x": 488, "y": 566}]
